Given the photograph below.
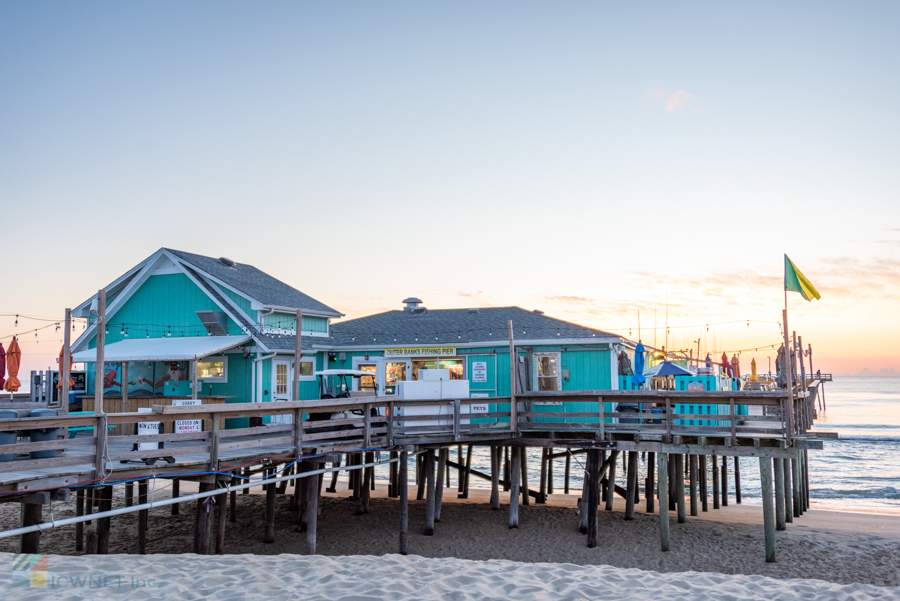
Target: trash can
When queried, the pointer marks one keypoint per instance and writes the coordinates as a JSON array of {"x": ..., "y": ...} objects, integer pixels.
[
  {"x": 8, "y": 437},
  {"x": 628, "y": 408},
  {"x": 43, "y": 434}
]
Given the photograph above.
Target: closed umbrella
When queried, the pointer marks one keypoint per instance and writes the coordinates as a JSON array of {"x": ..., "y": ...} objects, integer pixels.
[
  {"x": 71, "y": 381},
  {"x": 2, "y": 366},
  {"x": 726, "y": 366},
  {"x": 638, "y": 378},
  {"x": 13, "y": 357},
  {"x": 736, "y": 366}
]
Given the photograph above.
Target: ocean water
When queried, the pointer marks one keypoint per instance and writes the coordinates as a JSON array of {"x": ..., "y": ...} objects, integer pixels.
[{"x": 858, "y": 472}]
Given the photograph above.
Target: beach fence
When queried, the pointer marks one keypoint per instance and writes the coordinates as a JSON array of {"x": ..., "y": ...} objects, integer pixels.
[{"x": 684, "y": 451}]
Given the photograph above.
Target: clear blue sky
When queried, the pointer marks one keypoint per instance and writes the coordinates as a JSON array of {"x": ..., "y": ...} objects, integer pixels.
[{"x": 580, "y": 158}]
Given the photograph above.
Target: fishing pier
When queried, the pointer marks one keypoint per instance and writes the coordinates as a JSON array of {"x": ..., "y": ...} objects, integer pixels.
[{"x": 681, "y": 449}]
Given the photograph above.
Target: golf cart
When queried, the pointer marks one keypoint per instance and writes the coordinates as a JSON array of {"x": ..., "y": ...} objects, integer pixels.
[{"x": 338, "y": 384}]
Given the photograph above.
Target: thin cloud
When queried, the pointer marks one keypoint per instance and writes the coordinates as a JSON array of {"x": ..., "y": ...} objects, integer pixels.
[{"x": 679, "y": 100}]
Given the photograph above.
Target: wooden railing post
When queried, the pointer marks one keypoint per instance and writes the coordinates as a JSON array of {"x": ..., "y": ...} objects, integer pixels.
[
  {"x": 100, "y": 449},
  {"x": 367, "y": 428},
  {"x": 456, "y": 419},
  {"x": 668, "y": 420},
  {"x": 733, "y": 423},
  {"x": 298, "y": 432},
  {"x": 214, "y": 443},
  {"x": 390, "y": 424},
  {"x": 602, "y": 418},
  {"x": 513, "y": 360}
]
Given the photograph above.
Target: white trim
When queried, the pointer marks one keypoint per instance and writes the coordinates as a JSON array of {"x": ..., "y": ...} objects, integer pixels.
[
  {"x": 79, "y": 310},
  {"x": 312, "y": 312},
  {"x": 500, "y": 342}
]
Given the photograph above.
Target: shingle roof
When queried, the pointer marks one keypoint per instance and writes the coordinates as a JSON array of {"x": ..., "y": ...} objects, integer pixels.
[
  {"x": 274, "y": 342},
  {"x": 446, "y": 326},
  {"x": 255, "y": 283}
]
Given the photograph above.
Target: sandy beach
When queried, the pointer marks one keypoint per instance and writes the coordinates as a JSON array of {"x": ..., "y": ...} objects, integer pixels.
[{"x": 837, "y": 547}]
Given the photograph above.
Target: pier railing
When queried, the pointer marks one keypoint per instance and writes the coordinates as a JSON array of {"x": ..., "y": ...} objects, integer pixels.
[{"x": 380, "y": 422}]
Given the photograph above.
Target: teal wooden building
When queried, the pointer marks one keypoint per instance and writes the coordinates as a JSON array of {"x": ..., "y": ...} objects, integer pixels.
[{"x": 239, "y": 325}]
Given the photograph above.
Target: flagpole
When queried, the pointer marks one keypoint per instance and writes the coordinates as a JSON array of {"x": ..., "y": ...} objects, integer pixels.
[{"x": 786, "y": 366}]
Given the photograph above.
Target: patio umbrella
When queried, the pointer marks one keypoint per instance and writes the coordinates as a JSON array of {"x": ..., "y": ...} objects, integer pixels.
[
  {"x": 13, "y": 357},
  {"x": 726, "y": 366},
  {"x": 638, "y": 378},
  {"x": 667, "y": 368},
  {"x": 2, "y": 366},
  {"x": 736, "y": 366},
  {"x": 71, "y": 381}
]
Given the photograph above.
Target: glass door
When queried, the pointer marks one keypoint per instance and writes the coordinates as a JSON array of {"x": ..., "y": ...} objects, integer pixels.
[
  {"x": 368, "y": 382},
  {"x": 394, "y": 371}
]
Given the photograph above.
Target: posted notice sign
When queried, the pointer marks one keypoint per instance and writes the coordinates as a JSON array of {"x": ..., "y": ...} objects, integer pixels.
[
  {"x": 183, "y": 426},
  {"x": 479, "y": 371},
  {"x": 147, "y": 428}
]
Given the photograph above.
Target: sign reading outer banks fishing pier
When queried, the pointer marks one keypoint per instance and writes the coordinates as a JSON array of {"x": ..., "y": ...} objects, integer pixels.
[{"x": 425, "y": 351}]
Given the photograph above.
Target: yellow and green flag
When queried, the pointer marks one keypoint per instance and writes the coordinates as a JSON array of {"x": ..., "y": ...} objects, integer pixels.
[{"x": 797, "y": 282}]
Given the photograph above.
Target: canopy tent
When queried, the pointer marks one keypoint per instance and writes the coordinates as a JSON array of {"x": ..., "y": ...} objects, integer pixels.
[{"x": 162, "y": 349}]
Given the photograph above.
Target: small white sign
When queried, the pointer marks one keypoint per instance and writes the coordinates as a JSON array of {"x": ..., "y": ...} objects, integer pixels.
[
  {"x": 479, "y": 371},
  {"x": 183, "y": 426},
  {"x": 479, "y": 395},
  {"x": 478, "y": 408},
  {"x": 144, "y": 428}
]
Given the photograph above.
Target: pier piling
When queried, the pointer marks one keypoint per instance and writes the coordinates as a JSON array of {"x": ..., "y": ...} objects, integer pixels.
[
  {"x": 663, "y": 468},
  {"x": 679, "y": 487},
  {"x": 765, "y": 475},
  {"x": 515, "y": 479},
  {"x": 650, "y": 492},
  {"x": 403, "y": 490},
  {"x": 779, "y": 494}
]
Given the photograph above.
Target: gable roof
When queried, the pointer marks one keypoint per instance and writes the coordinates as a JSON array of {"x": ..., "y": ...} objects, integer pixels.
[
  {"x": 255, "y": 284},
  {"x": 460, "y": 326}
]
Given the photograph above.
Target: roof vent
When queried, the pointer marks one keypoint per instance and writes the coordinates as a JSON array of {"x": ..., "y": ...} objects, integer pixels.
[
  {"x": 227, "y": 262},
  {"x": 473, "y": 310},
  {"x": 413, "y": 303},
  {"x": 418, "y": 310},
  {"x": 538, "y": 311},
  {"x": 215, "y": 322}
]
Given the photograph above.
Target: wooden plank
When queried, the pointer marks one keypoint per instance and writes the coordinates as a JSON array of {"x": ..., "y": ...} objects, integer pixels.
[
  {"x": 131, "y": 439},
  {"x": 170, "y": 452},
  {"x": 257, "y": 430},
  {"x": 27, "y": 447},
  {"x": 256, "y": 443},
  {"x": 50, "y": 463}
]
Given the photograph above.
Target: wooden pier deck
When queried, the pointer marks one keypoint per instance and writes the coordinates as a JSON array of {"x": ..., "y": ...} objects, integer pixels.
[{"x": 220, "y": 459}]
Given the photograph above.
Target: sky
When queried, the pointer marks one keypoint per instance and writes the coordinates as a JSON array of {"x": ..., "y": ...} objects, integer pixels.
[{"x": 591, "y": 160}]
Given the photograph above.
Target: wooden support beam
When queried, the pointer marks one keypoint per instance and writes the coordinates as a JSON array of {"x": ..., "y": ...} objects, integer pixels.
[
  {"x": 232, "y": 506},
  {"x": 679, "y": 487},
  {"x": 403, "y": 490},
  {"x": 795, "y": 485},
  {"x": 650, "y": 491},
  {"x": 693, "y": 483},
  {"x": 495, "y": 477},
  {"x": 269, "y": 535},
  {"x": 523, "y": 467},
  {"x": 203, "y": 521},
  {"x": 176, "y": 492},
  {"x": 79, "y": 527},
  {"x": 631, "y": 483},
  {"x": 765, "y": 475},
  {"x": 779, "y": 494},
  {"x": 334, "y": 476},
  {"x": 439, "y": 482},
  {"x": 420, "y": 478},
  {"x": 724, "y": 481},
  {"x": 303, "y": 519},
  {"x": 788, "y": 494},
  {"x": 549, "y": 472},
  {"x": 468, "y": 473},
  {"x": 663, "y": 468},
  {"x": 610, "y": 491},
  {"x": 312, "y": 509},
  {"x": 704, "y": 482},
  {"x": 515, "y": 481},
  {"x": 715, "y": 482},
  {"x": 737, "y": 479},
  {"x": 143, "y": 518},
  {"x": 221, "y": 501},
  {"x": 567, "y": 473},
  {"x": 542, "y": 495},
  {"x": 30, "y": 542},
  {"x": 365, "y": 488},
  {"x": 593, "y": 494},
  {"x": 429, "y": 492},
  {"x": 103, "y": 524},
  {"x": 673, "y": 502}
]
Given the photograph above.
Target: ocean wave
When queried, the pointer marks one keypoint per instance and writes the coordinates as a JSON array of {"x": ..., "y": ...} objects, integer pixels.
[{"x": 887, "y": 492}]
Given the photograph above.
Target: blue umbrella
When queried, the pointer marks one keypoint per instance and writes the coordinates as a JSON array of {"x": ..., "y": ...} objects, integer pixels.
[
  {"x": 638, "y": 378},
  {"x": 668, "y": 368}
]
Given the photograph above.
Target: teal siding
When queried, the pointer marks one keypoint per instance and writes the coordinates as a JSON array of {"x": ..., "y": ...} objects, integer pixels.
[
  {"x": 163, "y": 302},
  {"x": 288, "y": 321},
  {"x": 237, "y": 299}
]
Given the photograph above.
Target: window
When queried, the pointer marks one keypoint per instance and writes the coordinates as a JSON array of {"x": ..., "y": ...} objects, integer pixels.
[
  {"x": 367, "y": 382},
  {"x": 213, "y": 370},
  {"x": 281, "y": 378},
  {"x": 307, "y": 368},
  {"x": 393, "y": 372},
  {"x": 547, "y": 372}
]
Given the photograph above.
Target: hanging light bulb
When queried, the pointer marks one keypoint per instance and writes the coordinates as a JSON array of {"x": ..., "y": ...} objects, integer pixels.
[
  {"x": 122, "y": 331},
  {"x": 148, "y": 333},
  {"x": 57, "y": 328},
  {"x": 106, "y": 329},
  {"x": 126, "y": 333},
  {"x": 169, "y": 333}
]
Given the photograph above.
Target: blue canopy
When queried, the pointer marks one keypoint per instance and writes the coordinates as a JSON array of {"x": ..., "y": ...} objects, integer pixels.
[
  {"x": 667, "y": 368},
  {"x": 638, "y": 378}
]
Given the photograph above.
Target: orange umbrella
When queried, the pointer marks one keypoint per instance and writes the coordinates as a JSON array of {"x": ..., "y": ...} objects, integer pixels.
[
  {"x": 13, "y": 357},
  {"x": 736, "y": 366},
  {"x": 71, "y": 381},
  {"x": 2, "y": 366}
]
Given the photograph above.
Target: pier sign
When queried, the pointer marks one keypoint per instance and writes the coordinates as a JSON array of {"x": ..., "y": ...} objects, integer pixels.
[
  {"x": 147, "y": 428},
  {"x": 425, "y": 351},
  {"x": 183, "y": 426},
  {"x": 479, "y": 371}
]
